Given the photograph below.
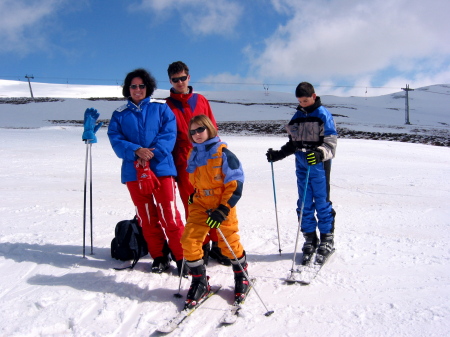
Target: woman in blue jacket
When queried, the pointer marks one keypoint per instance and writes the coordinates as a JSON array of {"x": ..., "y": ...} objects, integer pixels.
[{"x": 143, "y": 133}]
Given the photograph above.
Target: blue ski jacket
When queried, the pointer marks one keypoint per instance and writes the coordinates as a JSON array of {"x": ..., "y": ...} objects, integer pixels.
[
  {"x": 313, "y": 128},
  {"x": 149, "y": 125}
]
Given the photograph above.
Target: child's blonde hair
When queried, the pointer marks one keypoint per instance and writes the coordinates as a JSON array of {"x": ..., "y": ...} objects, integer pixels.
[{"x": 203, "y": 120}]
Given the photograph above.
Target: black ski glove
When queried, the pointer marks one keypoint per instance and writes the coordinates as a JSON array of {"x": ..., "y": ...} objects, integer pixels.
[
  {"x": 191, "y": 198},
  {"x": 314, "y": 157},
  {"x": 217, "y": 216},
  {"x": 274, "y": 155}
]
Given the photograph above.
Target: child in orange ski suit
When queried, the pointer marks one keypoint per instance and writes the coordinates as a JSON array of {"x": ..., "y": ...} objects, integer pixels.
[{"x": 217, "y": 176}]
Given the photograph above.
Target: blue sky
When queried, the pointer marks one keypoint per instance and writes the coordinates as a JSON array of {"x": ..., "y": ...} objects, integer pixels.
[{"x": 341, "y": 46}]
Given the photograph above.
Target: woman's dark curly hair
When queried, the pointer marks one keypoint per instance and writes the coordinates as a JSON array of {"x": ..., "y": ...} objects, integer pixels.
[{"x": 147, "y": 78}]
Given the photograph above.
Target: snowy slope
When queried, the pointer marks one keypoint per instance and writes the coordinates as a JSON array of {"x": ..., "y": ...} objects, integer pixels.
[
  {"x": 390, "y": 275},
  {"x": 429, "y": 107}
]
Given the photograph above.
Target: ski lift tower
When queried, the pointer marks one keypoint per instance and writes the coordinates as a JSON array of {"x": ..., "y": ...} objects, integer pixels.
[
  {"x": 407, "y": 89},
  {"x": 29, "y": 84}
]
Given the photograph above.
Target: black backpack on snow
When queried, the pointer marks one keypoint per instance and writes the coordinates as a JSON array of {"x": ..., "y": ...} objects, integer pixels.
[{"x": 128, "y": 243}]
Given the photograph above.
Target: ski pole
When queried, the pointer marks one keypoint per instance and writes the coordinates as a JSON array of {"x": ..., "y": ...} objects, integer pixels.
[
  {"x": 268, "y": 313},
  {"x": 88, "y": 161},
  {"x": 90, "y": 128},
  {"x": 90, "y": 197},
  {"x": 275, "y": 200},
  {"x": 300, "y": 219},
  {"x": 178, "y": 295},
  {"x": 84, "y": 204}
]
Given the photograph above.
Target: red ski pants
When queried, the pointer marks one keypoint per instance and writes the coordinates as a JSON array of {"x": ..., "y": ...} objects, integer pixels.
[{"x": 159, "y": 217}]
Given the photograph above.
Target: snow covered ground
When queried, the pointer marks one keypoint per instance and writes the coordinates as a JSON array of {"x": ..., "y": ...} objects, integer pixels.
[{"x": 390, "y": 275}]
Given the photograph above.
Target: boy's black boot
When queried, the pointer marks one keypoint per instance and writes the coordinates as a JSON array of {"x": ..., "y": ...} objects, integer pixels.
[
  {"x": 309, "y": 247},
  {"x": 199, "y": 285},
  {"x": 241, "y": 283},
  {"x": 160, "y": 264},
  {"x": 326, "y": 244},
  {"x": 216, "y": 254}
]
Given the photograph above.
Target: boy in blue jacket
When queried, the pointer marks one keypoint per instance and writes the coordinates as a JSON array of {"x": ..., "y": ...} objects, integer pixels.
[{"x": 313, "y": 139}]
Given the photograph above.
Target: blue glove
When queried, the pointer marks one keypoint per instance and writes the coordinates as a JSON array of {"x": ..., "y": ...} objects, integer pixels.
[{"x": 90, "y": 128}]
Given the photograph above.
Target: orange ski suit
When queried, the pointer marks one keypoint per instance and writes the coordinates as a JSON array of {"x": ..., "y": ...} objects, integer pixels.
[{"x": 217, "y": 176}]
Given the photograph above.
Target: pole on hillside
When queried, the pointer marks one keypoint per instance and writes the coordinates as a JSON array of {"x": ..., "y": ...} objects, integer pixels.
[
  {"x": 407, "y": 89},
  {"x": 29, "y": 84}
]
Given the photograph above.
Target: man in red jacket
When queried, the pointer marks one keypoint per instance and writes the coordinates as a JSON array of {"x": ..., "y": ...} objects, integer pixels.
[{"x": 186, "y": 104}]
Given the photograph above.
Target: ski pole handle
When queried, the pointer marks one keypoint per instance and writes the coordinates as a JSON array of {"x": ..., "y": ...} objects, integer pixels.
[{"x": 270, "y": 151}]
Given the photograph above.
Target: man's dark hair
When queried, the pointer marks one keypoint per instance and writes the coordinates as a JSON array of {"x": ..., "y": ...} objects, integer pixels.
[
  {"x": 304, "y": 89},
  {"x": 147, "y": 78},
  {"x": 177, "y": 67}
]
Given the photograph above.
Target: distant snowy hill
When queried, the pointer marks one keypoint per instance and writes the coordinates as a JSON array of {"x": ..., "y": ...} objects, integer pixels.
[{"x": 380, "y": 117}]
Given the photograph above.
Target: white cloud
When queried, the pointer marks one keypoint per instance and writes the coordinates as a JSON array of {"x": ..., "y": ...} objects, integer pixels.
[
  {"x": 332, "y": 39},
  {"x": 21, "y": 21},
  {"x": 199, "y": 17},
  {"x": 421, "y": 79}
]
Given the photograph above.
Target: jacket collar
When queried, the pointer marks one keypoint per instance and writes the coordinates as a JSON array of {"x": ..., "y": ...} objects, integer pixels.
[
  {"x": 206, "y": 145},
  {"x": 311, "y": 108},
  {"x": 183, "y": 96},
  {"x": 135, "y": 107}
]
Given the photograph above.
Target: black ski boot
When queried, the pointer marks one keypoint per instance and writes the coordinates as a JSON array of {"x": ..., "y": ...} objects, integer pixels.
[
  {"x": 166, "y": 250},
  {"x": 199, "y": 285},
  {"x": 325, "y": 248},
  {"x": 185, "y": 272},
  {"x": 241, "y": 283},
  {"x": 309, "y": 247},
  {"x": 206, "y": 249},
  {"x": 216, "y": 254},
  {"x": 160, "y": 264}
]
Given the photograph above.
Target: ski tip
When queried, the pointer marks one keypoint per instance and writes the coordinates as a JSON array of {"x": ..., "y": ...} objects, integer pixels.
[
  {"x": 164, "y": 330},
  {"x": 267, "y": 314},
  {"x": 228, "y": 321},
  {"x": 290, "y": 279}
]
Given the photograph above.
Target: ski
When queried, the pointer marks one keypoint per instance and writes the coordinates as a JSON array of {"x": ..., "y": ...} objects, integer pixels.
[
  {"x": 295, "y": 275},
  {"x": 311, "y": 273},
  {"x": 172, "y": 324},
  {"x": 231, "y": 315}
]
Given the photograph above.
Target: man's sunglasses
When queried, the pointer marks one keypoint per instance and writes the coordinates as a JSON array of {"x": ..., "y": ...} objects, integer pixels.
[
  {"x": 198, "y": 130},
  {"x": 177, "y": 79},
  {"x": 135, "y": 86}
]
